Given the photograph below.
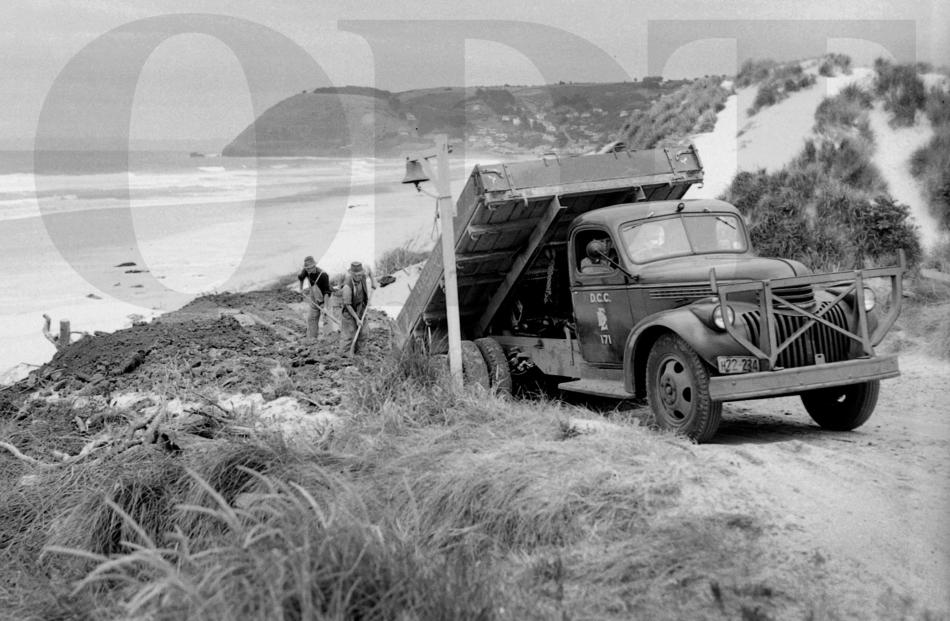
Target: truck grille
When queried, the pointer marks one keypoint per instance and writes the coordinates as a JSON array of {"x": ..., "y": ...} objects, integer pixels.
[
  {"x": 803, "y": 295},
  {"x": 818, "y": 339}
]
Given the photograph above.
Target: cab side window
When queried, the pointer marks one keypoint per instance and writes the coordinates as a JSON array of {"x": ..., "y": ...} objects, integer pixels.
[{"x": 594, "y": 252}]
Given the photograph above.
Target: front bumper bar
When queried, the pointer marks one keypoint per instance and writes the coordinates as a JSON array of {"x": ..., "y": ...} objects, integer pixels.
[{"x": 801, "y": 379}]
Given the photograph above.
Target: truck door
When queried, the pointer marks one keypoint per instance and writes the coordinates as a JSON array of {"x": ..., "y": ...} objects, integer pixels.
[{"x": 599, "y": 293}]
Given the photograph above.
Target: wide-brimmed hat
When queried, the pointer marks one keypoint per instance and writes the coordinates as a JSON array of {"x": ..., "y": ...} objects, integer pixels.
[
  {"x": 356, "y": 267},
  {"x": 309, "y": 262}
]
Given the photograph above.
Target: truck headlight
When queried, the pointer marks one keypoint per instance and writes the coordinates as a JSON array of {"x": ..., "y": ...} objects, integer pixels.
[
  {"x": 717, "y": 317},
  {"x": 870, "y": 301}
]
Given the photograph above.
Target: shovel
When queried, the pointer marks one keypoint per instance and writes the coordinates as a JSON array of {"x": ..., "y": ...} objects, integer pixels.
[
  {"x": 359, "y": 328},
  {"x": 331, "y": 318},
  {"x": 326, "y": 313}
]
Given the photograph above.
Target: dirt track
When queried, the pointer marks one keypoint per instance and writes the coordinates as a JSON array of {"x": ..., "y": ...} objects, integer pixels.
[{"x": 876, "y": 500}]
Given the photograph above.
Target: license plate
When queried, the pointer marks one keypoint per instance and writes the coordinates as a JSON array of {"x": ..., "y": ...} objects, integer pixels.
[{"x": 738, "y": 364}]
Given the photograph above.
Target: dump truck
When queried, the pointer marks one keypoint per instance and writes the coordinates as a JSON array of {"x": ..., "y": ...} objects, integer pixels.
[{"x": 595, "y": 272}]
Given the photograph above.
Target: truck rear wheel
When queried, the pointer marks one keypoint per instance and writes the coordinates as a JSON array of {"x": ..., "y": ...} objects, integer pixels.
[
  {"x": 842, "y": 408},
  {"x": 499, "y": 375},
  {"x": 678, "y": 390},
  {"x": 474, "y": 369}
]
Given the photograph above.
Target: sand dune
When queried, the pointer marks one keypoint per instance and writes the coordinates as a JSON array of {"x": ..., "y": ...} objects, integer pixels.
[
  {"x": 774, "y": 136},
  {"x": 894, "y": 148}
]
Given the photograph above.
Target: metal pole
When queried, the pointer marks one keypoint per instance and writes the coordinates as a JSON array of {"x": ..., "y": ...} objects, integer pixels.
[{"x": 447, "y": 215}]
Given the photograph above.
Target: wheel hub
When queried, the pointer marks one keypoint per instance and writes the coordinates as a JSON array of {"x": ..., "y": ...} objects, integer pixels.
[
  {"x": 674, "y": 384},
  {"x": 668, "y": 390}
]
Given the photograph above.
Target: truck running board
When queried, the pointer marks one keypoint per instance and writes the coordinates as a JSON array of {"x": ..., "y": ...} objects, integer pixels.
[{"x": 597, "y": 387}]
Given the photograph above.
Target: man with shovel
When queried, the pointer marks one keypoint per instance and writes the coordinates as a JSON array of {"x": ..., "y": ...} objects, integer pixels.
[
  {"x": 355, "y": 303},
  {"x": 318, "y": 295}
]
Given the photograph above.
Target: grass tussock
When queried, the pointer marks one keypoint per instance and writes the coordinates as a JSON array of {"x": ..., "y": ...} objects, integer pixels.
[
  {"x": 931, "y": 166},
  {"x": 901, "y": 89},
  {"x": 753, "y": 71},
  {"x": 395, "y": 259},
  {"x": 832, "y": 64},
  {"x": 776, "y": 82},
  {"x": 847, "y": 111},
  {"x": 691, "y": 109}
]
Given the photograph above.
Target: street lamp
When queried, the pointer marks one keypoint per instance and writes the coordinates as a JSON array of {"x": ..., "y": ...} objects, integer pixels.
[{"x": 418, "y": 171}]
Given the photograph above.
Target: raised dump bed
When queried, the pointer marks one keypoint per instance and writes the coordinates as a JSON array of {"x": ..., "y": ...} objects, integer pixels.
[{"x": 509, "y": 216}]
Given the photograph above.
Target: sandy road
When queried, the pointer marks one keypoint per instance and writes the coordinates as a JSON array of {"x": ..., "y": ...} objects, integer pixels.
[{"x": 876, "y": 499}]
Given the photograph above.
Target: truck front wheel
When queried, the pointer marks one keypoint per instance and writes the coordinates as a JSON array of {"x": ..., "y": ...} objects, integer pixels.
[
  {"x": 842, "y": 408},
  {"x": 474, "y": 369},
  {"x": 678, "y": 390}
]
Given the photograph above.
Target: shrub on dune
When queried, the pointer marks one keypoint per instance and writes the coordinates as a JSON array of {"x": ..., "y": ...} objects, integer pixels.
[
  {"x": 901, "y": 89},
  {"x": 931, "y": 166}
]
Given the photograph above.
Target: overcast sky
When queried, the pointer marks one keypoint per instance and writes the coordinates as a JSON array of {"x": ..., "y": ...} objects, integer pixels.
[{"x": 193, "y": 86}]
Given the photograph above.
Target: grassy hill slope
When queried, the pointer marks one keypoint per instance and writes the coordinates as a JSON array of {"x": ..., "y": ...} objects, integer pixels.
[{"x": 366, "y": 121}]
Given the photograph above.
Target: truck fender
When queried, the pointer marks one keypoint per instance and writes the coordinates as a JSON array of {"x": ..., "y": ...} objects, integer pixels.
[{"x": 706, "y": 341}]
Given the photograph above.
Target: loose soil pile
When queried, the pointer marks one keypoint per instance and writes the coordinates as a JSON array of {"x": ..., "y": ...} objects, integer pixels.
[
  {"x": 229, "y": 342},
  {"x": 232, "y": 341}
]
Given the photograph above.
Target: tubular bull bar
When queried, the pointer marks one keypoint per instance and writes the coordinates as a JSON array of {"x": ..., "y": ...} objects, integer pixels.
[{"x": 773, "y": 380}]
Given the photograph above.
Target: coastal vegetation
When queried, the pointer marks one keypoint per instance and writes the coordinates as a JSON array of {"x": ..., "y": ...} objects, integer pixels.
[
  {"x": 420, "y": 502},
  {"x": 690, "y": 109},
  {"x": 830, "y": 207},
  {"x": 395, "y": 259}
]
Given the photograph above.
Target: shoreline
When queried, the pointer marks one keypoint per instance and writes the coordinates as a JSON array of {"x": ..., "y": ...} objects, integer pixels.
[{"x": 186, "y": 251}]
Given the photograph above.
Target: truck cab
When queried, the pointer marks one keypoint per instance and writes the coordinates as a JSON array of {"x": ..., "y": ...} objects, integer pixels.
[{"x": 658, "y": 258}]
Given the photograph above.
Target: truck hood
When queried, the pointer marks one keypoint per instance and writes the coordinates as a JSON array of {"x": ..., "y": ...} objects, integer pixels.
[{"x": 729, "y": 267}]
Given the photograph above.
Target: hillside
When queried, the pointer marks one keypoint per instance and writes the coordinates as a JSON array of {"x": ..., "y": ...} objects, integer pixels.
[{"x": 362, "y": 121}]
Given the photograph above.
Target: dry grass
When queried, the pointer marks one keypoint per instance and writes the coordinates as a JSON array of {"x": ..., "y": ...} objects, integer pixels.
[
  {"x": 688, "y": 110},
  {"x": 776, "y": 83},
  {"x": 425, "y": 504},
  {"x": 467, "y": 507},
  {"x": 395, "y": 259},
  {"x": 930, "y": 165},
  {"x": 925, "y": 317}
]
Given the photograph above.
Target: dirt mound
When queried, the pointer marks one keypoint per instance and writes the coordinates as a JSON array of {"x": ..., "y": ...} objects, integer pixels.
[{"x": 238, "y": 342}]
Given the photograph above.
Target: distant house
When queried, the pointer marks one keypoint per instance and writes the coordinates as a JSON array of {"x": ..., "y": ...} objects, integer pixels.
[
  {"x": 516, "y": 121},
  {"x": 505, "y": 118}
]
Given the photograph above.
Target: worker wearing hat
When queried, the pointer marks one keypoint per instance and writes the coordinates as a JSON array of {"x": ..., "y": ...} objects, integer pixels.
[
  {"x": 355, "y": 300},
  {"x": 318, "y": 293}
]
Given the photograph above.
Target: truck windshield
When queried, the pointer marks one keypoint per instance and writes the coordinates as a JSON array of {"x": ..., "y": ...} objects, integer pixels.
[{"x": 704, "y": 233}]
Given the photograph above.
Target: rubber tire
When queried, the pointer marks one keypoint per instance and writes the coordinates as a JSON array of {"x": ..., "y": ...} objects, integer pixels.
[
  {"x": 842, "y": 408},
  {"x": 474, "y": 369},
  {"x": 499, "y": 375},
  {"x": 678, "y": 390}
]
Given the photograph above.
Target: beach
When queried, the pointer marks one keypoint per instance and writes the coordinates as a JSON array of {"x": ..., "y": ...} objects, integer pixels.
[{"x": 201, "y": 225}]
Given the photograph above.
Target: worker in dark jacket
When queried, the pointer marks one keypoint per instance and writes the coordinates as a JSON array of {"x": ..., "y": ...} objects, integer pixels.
[
  {"x": 355, "y": 299},
  {"x": 318, "y": 294}
]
